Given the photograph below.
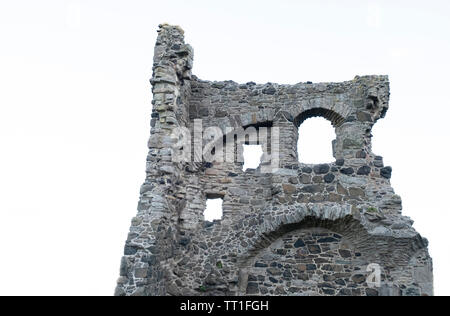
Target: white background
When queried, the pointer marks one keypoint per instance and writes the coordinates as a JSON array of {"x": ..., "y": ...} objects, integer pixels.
[{"x": 75, "y": 111}]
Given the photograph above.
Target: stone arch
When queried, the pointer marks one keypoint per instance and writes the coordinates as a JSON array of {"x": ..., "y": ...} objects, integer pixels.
[
  {"x": 328, "y": 121},
  {"x": 300, "y": 255},
  {"x": 334, "y": 225},
  {"x": 335, "y": 118},
  {"x": 340, "y": 217}
]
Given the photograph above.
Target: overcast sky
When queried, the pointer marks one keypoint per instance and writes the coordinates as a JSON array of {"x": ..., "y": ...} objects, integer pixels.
[{"x": 75, "y": 105}]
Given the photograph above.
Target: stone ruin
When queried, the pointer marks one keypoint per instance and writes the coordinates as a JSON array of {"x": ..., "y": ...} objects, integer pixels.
[{"x": 296, "y": 229}]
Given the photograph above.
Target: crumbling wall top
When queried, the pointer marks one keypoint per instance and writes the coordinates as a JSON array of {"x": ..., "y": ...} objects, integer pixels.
[{"x": 288, "y": 229}]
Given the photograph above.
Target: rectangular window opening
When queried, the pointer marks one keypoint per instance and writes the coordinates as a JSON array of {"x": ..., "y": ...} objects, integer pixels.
[
  {"x": 214, "y": 208},
  {"x": 252, "y": 156}
]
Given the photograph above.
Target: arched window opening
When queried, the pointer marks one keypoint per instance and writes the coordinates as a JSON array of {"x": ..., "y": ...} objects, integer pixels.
[{"x": 315, "y": 141}]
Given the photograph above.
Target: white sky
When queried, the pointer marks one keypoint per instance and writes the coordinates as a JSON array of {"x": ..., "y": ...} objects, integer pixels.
[{"x": 75, "y": 111}]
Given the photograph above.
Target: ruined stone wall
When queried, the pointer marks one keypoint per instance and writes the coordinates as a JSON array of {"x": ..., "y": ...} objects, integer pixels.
[{"x": 292, "y": 230}]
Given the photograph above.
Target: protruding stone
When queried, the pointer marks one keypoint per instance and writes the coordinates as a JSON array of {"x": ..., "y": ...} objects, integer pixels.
[
  {"x": 364, "y": 171},
  {"x": 289, "y": 189},
  {"x": 386, "y": 172},
  {"x": 347, "y": 171},
  {"x": 340, "y": 162},
  {"x": 329, "y": 178},
  {"x": 270, "y": 90},
  {"x": 321, "y": 169}
]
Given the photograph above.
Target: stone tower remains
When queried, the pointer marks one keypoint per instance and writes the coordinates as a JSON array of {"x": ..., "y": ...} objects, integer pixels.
[{"x": 287, "y": 228}]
